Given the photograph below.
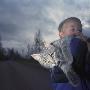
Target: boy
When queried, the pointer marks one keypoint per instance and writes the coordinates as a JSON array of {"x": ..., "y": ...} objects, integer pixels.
[
  {"x": 79, "y": 50},
  {"x": 58, "y": 53}
]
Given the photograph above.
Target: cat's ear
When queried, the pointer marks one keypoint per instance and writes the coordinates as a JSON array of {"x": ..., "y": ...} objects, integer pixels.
[{"x": 36, "y": 57}]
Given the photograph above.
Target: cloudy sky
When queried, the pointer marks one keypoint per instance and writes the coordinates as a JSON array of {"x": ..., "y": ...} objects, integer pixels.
[{"x": 20, "y": 19}]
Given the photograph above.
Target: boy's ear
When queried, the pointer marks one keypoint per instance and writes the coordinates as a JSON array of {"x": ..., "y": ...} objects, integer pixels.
[{"x": 61, "y": 34}]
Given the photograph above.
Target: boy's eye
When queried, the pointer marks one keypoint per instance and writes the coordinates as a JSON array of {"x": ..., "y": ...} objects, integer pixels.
[{"x": 73, "y": 29}]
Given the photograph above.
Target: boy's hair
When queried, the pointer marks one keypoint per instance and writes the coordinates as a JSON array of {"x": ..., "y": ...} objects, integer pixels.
[{"x": 70, "y": 19}]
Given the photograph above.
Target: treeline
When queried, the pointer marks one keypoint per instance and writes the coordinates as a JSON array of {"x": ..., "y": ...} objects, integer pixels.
[
  {"x": 37, "y": 46},
  {"x": 13, "y": 54}
]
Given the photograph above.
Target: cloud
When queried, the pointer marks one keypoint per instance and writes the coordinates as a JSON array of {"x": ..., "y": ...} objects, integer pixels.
[{"x": 20, "y": 19}]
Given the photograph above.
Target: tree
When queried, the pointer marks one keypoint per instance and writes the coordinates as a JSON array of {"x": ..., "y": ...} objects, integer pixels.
[
  {"x": 37, "y": 46},
  {"x": 2, "y": 51},
  {"x": 29, "y": 50},
  {"x": 38, "y": 42},
  {"x": 13, "y": 54},
  {"x": 0, "y": 43}
]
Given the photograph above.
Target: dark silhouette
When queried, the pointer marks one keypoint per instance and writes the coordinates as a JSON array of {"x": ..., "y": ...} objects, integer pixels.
[{"x": 16, "y": 75}]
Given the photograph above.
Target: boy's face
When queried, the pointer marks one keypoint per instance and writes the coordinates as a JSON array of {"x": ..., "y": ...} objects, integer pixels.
[{"x": 70, "y": 28}]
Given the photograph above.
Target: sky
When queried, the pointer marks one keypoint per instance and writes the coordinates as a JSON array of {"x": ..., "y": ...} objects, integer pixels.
[{"x": 20, "y": 19}]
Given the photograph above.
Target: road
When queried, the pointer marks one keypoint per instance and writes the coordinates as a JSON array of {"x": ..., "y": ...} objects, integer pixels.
[{"x": 23, "y": 76}]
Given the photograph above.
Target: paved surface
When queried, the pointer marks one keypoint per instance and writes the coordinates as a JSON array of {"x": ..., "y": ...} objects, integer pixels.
[{"x": 23, "y": 76}]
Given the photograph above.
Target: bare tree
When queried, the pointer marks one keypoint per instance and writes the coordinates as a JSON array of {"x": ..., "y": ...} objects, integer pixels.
[
  {"x": 37, "y": 45},
  {"x": 2, "y": 51},
  {"x": 38, "y": 42},
  {"x": 29, "y": 50},
  {"x": 0, "y": 43}
]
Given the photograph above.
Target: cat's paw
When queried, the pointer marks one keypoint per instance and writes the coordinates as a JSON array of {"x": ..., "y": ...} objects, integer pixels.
[{"x": 36, "y": 57}]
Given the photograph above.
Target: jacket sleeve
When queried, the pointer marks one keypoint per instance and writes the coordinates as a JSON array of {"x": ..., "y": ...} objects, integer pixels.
[
  {"x": 67, "y": 65},
  {"x": 68, "y": 58},
  {"x": 79, "y": 51}
]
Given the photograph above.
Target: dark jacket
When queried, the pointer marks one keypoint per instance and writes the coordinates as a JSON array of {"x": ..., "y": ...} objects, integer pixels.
[{"x": 79, "y": 51}]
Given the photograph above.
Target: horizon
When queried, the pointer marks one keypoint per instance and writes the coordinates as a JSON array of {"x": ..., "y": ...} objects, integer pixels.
[{"x": 19, "y": 20}]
